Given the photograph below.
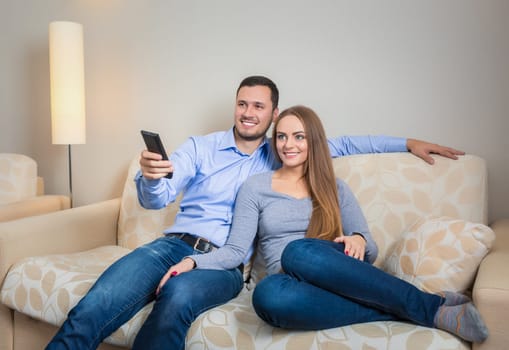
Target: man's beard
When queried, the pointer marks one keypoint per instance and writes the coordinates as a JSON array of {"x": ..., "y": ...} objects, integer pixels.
[{"x": 253, "y": 137}]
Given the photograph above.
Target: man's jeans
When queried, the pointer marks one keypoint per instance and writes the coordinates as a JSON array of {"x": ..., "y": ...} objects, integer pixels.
[
  {"x": 324, "y": 288},
  {"x": 130, "y": 283}
]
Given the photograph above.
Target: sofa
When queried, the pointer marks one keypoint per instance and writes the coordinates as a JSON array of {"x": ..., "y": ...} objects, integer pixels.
[
  {"x": 22, "y": 191},
  {"x": 429, "y": 221}
]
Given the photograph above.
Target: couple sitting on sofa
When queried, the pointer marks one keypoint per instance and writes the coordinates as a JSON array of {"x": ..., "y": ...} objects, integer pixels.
[{"x": 299, "y": 199}]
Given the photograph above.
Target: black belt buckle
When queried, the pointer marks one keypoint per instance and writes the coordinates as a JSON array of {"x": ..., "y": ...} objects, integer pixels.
[
  {"x": 202, "y": 245},
  {"x": 199, "y": 244}
]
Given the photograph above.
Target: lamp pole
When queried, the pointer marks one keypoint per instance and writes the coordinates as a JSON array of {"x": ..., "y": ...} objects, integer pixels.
[{"x": 70, "y": 173}]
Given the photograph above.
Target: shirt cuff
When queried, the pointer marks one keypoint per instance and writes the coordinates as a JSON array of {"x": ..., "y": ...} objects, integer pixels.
[
  {"x": 398, "y": 144},
  {"x": 147, "y": 183}
]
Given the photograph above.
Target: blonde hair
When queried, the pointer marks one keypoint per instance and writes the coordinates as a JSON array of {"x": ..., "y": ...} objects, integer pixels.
[{"x": 325, "y": 222}]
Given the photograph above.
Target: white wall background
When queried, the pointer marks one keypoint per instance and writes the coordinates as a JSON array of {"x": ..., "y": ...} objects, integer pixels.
[{"x": 435, "y": 70}]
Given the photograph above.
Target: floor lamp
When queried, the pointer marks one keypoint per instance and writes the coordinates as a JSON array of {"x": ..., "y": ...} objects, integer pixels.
[{"x": 67, "y": 85}]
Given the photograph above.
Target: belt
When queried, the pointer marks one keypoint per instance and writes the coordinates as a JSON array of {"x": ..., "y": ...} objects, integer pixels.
[{"x": 200, "y": 244}]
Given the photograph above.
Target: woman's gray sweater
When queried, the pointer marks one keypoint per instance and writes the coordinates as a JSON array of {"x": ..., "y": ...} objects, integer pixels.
[{"x": 276, "y": 219}]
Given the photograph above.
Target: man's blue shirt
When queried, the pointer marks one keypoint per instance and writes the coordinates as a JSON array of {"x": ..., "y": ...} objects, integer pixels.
[{"x": 210, "y": 169}]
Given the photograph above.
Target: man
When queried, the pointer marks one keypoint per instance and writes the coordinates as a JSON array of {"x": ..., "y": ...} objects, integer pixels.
[{"x": 209, "y": 171}]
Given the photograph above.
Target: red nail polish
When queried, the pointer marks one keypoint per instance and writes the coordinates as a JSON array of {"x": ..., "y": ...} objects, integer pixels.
[
  {"x": 346, "y": 252},
  {"x": 174, "y": 273}
]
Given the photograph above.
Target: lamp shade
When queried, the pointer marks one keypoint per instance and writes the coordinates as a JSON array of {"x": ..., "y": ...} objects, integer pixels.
[{"x": 67, "y": 83}]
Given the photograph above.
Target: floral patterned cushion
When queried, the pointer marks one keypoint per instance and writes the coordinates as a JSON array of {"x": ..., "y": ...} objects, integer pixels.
[{"x": 440, "y": 254}]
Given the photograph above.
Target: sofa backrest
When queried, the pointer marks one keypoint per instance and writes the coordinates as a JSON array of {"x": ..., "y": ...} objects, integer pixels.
[
  {"x": 18, "y": 177},
  {"x": 136, "y": 225},
  {"x": 394, "y": 190}
]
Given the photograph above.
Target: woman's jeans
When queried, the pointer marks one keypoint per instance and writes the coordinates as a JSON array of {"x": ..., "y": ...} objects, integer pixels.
[
  {"x": 130, "y": 283},
  {"x": 324, "y": 288}
]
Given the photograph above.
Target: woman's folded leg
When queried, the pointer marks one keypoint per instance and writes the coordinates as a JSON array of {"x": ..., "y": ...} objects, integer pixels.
[
  {"x": 324, "y": 264},
  {"x": 282, "y": 301}
]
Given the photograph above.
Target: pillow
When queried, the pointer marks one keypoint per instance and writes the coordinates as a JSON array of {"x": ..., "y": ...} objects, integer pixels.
[{"x": 440, "y": 254}]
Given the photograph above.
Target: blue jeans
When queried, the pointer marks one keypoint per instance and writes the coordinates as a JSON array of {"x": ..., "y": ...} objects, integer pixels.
[
  {"x": 324, "y": 288},
  {"x": 130, "y": 283}
]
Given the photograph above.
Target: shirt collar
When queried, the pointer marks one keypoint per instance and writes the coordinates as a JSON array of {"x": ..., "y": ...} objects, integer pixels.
[{"x": 228, "y": 141}]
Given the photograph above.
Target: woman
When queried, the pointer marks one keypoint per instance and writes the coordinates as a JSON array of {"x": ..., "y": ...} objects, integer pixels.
[{"x": 318, "y": 249}]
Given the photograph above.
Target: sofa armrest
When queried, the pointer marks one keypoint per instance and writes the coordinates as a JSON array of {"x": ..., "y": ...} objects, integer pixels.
[
  {"x": 491, "y": 289},
  {"x": 65, "y": 231},
  {"x": 33, "y": 206}
]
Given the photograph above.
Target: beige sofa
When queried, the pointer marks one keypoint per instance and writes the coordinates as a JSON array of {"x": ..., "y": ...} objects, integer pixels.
[
  {"x": 48, "y": 262},
  {"x": 22, "y": 191}
]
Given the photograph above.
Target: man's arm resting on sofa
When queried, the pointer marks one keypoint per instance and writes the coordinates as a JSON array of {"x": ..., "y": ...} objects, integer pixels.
[
  {"x": 491, "y": 289},
  {"x": 65, "y": 231},
  {"x": 33, "y": 206}
]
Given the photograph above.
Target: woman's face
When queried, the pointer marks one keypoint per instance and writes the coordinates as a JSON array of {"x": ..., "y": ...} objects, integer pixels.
[{"x": 291, "y": 142}]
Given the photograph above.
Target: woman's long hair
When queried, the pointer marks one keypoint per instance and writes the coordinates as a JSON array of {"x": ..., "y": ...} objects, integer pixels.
[{"x": 325, "y": 222}]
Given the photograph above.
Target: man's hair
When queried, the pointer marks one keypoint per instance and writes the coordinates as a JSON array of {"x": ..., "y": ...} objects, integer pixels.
[
  {"x": 325, "y": 222},
  {"x": 258, "y": 80}
]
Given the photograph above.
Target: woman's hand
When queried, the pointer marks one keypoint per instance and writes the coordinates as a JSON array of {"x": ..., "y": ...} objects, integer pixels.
[
  {"x": 187, "y": 264},
  {"x": 355, "y": 245}
]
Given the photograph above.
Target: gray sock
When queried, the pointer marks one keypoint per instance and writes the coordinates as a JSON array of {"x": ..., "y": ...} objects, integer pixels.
[
  {"x": 462, "y": 320},
  {"x": 453, "y": 298}
]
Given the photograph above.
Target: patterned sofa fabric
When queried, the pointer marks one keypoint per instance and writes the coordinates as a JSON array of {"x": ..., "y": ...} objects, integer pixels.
[
  {"x": 394, "y": 191},
  {"x": 46, "y": 288},
  {"x": 18, "y": 177}
]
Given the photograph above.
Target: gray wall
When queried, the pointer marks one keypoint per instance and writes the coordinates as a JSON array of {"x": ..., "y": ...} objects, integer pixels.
[{"x": 435, "y": 70}]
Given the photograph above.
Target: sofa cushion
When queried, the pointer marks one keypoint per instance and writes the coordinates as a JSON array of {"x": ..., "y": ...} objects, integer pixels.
[
  {"x": 48, "y": 287},
  {"x": 235, "y": 325},
  {"x": 441, "y": 253},
  {"x": 395, "y": 190},
  {"x": 137, "y": 225}
]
